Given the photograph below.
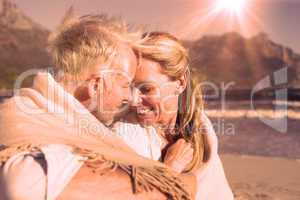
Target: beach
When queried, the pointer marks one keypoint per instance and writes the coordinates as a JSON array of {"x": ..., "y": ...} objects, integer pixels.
[
  {"x": 260, "y": 162},
  {"x": 262, "y": 178}
]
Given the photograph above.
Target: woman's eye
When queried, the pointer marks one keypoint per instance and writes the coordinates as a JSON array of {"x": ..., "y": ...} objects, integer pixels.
[{"x": 146, "y": 90}]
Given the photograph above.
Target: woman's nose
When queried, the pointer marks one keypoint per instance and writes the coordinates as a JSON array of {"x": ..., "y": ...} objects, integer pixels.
[{"x": 136, "y": 97}]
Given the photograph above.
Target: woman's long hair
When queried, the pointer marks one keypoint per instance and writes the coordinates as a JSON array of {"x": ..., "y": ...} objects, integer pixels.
[{"x": 172, "y": 55}]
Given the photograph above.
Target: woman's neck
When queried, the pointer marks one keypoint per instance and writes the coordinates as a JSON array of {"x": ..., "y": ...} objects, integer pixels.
[{"x": 167, "y": 127}]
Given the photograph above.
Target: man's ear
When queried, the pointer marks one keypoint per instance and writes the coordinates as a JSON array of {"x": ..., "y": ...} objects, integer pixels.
[
  {"x": 81, "y": 93},
  {"x": 93, "y": 87},
  {"x": 98, "y": 84}
]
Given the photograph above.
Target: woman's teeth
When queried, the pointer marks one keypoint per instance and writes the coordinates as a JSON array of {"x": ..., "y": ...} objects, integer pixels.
[{"x": 143, "y": 111}]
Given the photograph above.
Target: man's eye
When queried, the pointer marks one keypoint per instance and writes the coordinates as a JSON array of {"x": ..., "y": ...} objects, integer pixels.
[{"x": 127, "y": 85}]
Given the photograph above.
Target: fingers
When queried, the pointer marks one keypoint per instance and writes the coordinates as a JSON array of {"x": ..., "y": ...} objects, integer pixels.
[
  {"x": 186, "y": 148},
  {"x": 180, "y": 142},
  {"x": 179, "y": 149},
  {"x": 179, "y": 155},
  {"x": 187, "y": 158}
]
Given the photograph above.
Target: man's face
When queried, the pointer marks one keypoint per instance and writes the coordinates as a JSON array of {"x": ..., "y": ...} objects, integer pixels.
[{"x": 114, "y": 87}]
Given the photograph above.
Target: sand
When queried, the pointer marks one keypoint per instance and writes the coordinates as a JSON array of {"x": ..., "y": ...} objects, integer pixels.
[
  {"x": 261, "y": 163},
  {"x": 262, "y": 178}
]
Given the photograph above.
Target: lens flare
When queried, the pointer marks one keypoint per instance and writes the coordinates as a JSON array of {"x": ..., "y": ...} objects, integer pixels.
[
  {"x": 219, "y": 16},
  {"x": 232, "y": 6}
]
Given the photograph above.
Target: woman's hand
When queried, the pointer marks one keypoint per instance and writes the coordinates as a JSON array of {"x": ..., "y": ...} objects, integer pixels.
[{"x": 179, "y": 155}]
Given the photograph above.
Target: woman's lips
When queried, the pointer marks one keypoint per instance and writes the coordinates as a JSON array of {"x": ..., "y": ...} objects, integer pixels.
[
  {"x": 142, "y": 110},
  {"x": 145, "y": 112}
]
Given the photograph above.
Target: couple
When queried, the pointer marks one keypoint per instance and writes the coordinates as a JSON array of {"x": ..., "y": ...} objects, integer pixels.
[{"x": 122, "y": 121}]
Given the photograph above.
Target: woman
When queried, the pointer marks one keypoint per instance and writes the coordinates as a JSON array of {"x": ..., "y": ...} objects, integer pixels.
[{"x": 166, "y": 100}]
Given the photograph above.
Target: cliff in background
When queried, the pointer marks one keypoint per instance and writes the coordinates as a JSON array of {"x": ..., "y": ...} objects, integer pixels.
[
  {"x": 22, "y": 44},
  {"x": 245, "y": 61},
  {"x": 216, "y": 58}
]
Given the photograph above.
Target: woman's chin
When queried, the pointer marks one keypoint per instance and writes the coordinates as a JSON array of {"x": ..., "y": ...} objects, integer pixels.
[{"x": 146, "y": 121}]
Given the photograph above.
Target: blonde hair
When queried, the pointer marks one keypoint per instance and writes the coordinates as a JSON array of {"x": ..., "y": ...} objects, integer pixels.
[
  {"x": 81, "y": 42},
  {"x": 173, "y": 56}
]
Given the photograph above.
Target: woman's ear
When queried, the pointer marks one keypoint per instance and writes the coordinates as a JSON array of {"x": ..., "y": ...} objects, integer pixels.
[{"x": 182, "y": 83}]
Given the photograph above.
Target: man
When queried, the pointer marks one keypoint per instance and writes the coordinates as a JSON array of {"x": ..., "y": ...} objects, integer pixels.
[{"x": 98, "y": 64}]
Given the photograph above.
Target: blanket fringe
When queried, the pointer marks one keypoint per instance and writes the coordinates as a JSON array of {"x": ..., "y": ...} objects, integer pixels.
[
  {"x": 7, "y": 152},
  {"x": 144, "y": 179}
]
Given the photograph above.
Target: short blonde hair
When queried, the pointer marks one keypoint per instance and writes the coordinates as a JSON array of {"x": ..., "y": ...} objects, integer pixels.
[{"x": 81, "y": 42}]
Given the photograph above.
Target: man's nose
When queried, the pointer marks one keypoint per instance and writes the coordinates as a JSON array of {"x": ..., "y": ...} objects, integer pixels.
[{"x": 136, "y": 97}]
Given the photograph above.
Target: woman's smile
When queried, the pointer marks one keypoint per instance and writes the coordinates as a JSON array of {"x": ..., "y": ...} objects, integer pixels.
[{"x": 146, "y": 113}]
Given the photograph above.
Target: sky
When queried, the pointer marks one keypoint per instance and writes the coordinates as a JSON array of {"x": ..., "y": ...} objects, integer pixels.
[{"x": 187, "y": 19}]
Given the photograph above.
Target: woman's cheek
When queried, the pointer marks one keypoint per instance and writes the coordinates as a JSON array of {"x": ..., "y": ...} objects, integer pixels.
[{"x": 169, "y": 104}]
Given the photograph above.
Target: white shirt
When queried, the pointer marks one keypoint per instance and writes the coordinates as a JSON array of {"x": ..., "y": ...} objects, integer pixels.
[{"x": 144, "y": 141}]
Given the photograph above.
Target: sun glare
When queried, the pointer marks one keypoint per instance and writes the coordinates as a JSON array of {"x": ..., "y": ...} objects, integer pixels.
[
  {"x": 232, "y": 6},
  {"x": 216, "y": 16}
]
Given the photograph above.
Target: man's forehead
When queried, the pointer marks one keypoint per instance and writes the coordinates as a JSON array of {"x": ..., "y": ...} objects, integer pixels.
[
  {"x": 116, "y": 72},
  {"x": 125, "y": 60},
  {"x": 124, "y": 63}
]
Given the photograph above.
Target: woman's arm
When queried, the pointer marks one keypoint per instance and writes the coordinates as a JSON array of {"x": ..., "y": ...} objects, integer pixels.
[
  {"x": 24, "y": 177},
  {"x": 178, "y": 156},
  {"x": 113, "y": 185},
  {"x": 110, "y": 186}
]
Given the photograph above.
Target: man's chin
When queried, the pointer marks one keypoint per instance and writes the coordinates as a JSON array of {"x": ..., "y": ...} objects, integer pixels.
[
  {"x": 109, "y": 118},
  {"x": 105, "y": 119},
  {"x": 120, "y": 116}
]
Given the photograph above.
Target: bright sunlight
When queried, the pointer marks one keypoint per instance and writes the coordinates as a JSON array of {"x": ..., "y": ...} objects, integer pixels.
[{"x": 233, "y": 6}]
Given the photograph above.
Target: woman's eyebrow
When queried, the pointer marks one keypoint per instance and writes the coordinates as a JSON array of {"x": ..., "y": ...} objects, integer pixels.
[{"x": 144, "y": 83}]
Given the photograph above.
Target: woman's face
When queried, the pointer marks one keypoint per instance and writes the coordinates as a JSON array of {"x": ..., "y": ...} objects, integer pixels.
[{"x": 155, "y": 97}]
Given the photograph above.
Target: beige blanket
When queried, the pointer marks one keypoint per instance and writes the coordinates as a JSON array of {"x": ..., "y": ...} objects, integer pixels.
[{"x": 46, "y": 114}]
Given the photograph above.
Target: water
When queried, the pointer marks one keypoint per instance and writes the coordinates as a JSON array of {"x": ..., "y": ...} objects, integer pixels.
[{"x": 2, "y": 98}]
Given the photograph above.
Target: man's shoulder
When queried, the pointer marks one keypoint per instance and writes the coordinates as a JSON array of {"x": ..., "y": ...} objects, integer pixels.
[
  {"x": 48, "y": 169},
  {"x": 23, "y": 176}
]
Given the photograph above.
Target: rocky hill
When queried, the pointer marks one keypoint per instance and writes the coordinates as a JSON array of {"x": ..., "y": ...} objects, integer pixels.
[
  {"x": 22, "y": 44},
  {"x": 245, "y": 61},
  {"x": 216, "y": 58}
]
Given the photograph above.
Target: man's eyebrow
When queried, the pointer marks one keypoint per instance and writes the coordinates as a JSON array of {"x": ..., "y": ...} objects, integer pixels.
[
  {"x": 124, "y": 78},
  {"x": 96, "y": 75}
]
